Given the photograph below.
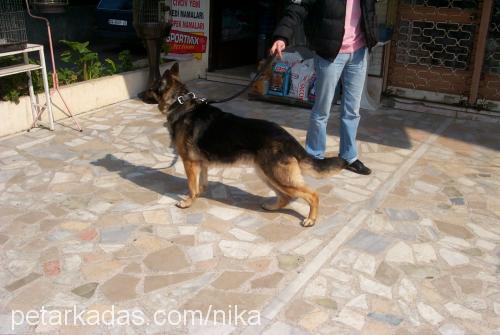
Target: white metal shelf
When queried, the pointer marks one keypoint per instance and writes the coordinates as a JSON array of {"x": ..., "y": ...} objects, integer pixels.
[{"x": 36, "y": 109}]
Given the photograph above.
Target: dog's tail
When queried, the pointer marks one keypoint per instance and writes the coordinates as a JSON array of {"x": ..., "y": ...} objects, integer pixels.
[{"x": 321, "y": 167}]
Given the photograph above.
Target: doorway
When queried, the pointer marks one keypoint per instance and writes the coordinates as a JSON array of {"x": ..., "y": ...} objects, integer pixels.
[{"x": 240, "y": 35}]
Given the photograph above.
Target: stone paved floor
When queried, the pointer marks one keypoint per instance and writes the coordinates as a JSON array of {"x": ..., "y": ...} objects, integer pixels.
[{"x": 88, "y": 220}]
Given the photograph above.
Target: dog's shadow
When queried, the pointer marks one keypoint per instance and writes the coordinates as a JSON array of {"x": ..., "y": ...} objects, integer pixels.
[{"x": 173, "y": 186}]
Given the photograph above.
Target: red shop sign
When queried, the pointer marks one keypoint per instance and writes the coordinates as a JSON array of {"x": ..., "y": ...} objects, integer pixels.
[{"x": 181, "y": 42}]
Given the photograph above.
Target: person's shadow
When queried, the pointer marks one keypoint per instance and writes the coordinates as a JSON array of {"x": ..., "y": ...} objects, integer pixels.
[{"x": 174, "y": 187}]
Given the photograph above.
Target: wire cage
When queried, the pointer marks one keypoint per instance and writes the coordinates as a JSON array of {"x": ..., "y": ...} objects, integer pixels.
[
  {"x": 151, "y": 17},
  {"x": 152, "y": 24},
  {"x": 12, "y": 26},
  {"x": 50, "y": 6}
]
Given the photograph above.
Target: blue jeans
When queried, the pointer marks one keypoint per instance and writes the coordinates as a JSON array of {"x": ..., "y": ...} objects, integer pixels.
[{"x": 351, "y": 69}]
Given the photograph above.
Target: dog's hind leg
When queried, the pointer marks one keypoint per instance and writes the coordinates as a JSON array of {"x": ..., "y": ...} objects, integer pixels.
[
  {"x": 192, "y": 169},
  {"x": 281, "y": 199},
  {"x": 286, "y": 177}
]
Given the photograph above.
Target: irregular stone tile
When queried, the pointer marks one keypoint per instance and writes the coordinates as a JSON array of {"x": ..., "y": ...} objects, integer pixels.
[
  {"x": 308, "y": 247},
  {"x": 32, "y": 296},
  {"x": 424, "y": 253},
  {"x": 206, "y": 328},
  {"x": 429, "y": 314},
  {"x": 391, "y": 319},
  {"x": 290, "y": 262},
  {"x": 358, "y": 302},
  {"x": 229, "y": 280},
  {"x": 278, "y": 232},
  {"x": 369, "y": 242},
  {"x": 259, "y": 265},
  {"x": 461, "y": 312},
  {"x": 351, "y": 319},
  {"x": 370, "y": 286},
  {"x": 51, "y": 268},
  {"x": 22, "y": 282},
  {"x": 221, "y": 300},
  {"x": 314, "y": 319},
  {"x": 453, "y": 258},
  {"x": 296, "y": 309},
  {"x": 100, "y": 270},
  {"x": 242, "y": 235},
  {"x": 410, "y": 313},
  {"x": 483, "y": 233},
  {"x": 401, "y": 214},
  {"x": 120, "y": 288},
  {"x": 201, "y": 253},
  {"x": 243, "y": 250},
  {"x": 72, "y": 263},
  {"x": 326, "y": 302},
  {"x": 451, "y": 329},
  {"x": 85, "y": 290},
  {"x": 316, "y": 288},
  {"x": 116, "y": 235},
  {"x": 337, "y": 275},
  {"x": 280, "y": 328},
  {"x": 453, "y": 229},
  {"x": 152, "y": 283},
  {"x": 386, "y": 274},
  {"x": 21, "y": 267},
  {"x": 168, "y": 259},
  {"x": 469, "y": 286},
  {"x": 224, "y": 213},
  {"x": 400, "y": 253},
  {"x": 365, "y": 263},
  {"x": 160, "y": 217},
  {"x": 420, "y": 271},
  {"x": 269, "y": 281},
  {"x": 407, "y": 290}
]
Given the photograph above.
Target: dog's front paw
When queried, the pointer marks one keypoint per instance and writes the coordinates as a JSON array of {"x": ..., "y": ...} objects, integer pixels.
[
  {"x": 308, "y": 222},
  {"x": 185, "y": 203}
]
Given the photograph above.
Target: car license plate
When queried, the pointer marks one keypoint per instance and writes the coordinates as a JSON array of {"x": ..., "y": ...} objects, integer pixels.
[{"x": 117, "y": 22}]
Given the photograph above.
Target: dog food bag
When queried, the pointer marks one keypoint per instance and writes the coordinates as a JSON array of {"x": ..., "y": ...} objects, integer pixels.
[
  {"x": 280, "y": 80},
  {"x": 291, "y": 58},
  {"x": 301, "y": 75}
]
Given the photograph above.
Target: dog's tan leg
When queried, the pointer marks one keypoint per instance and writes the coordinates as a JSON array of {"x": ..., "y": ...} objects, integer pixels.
[
  {"x": 281, "y": 201},
  {"x": 310, "y": 197},
  {"x": 286, "y": 177},
  {"x": 203, "y": 181},
  {"x": 192, "y": 169}
]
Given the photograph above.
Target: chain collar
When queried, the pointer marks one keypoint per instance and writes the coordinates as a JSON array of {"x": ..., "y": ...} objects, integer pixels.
[{"x": 189, "y": 96}]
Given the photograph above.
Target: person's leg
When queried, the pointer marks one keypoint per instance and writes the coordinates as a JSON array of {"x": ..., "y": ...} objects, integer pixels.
[
  {"x": 353, "y": 80},
  {"x": 327, "y": 76}
]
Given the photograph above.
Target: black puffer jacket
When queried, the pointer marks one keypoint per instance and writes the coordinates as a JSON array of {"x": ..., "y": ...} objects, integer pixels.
[{"x": 324, "y": 24}]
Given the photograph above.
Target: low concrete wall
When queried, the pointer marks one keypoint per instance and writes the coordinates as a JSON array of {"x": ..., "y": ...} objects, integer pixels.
[{"x": 88, "y": 95}]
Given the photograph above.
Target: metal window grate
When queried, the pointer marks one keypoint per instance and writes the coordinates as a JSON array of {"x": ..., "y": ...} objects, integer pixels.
[
  {"x": 457, "y": 4},
  {"x": 12, "y": 26},
  {"x": 441, "y": 44}
]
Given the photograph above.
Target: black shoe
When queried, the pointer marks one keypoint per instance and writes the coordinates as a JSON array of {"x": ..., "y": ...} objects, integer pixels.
[{"x": 358, "y": 167}]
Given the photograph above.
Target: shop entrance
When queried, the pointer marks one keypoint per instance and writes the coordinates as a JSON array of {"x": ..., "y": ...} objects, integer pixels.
[{"x": 240, "y": 35}]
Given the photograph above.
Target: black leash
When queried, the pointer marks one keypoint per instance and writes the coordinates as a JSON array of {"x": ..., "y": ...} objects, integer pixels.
[{"x": 268, "y": 61}]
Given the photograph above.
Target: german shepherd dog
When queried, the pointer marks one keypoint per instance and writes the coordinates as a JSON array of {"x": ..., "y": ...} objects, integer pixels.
[{"x": 204, "y": 135}]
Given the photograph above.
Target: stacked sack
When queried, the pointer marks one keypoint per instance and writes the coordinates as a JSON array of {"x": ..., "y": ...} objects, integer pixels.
[{"x": 294, "y": 77}]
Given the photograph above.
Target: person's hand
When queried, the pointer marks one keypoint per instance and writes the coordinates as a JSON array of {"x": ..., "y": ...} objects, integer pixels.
[{"x": 277, "y": 47}]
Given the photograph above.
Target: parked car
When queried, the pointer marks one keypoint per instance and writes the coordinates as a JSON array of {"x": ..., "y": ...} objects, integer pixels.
[{"x": 114, "y": 21}]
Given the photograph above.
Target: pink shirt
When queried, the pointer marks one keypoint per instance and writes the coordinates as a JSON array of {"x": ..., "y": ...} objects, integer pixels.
[{"x": 353, "y": 35}]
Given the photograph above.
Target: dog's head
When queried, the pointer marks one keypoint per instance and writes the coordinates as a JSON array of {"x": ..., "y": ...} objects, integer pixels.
[{"x": 169, "y": 88}]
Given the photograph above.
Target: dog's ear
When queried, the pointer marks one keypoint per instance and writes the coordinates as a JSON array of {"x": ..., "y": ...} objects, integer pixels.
[
  {"x": 175, "y": 69},
  {"x": 165, "y": 79}
]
